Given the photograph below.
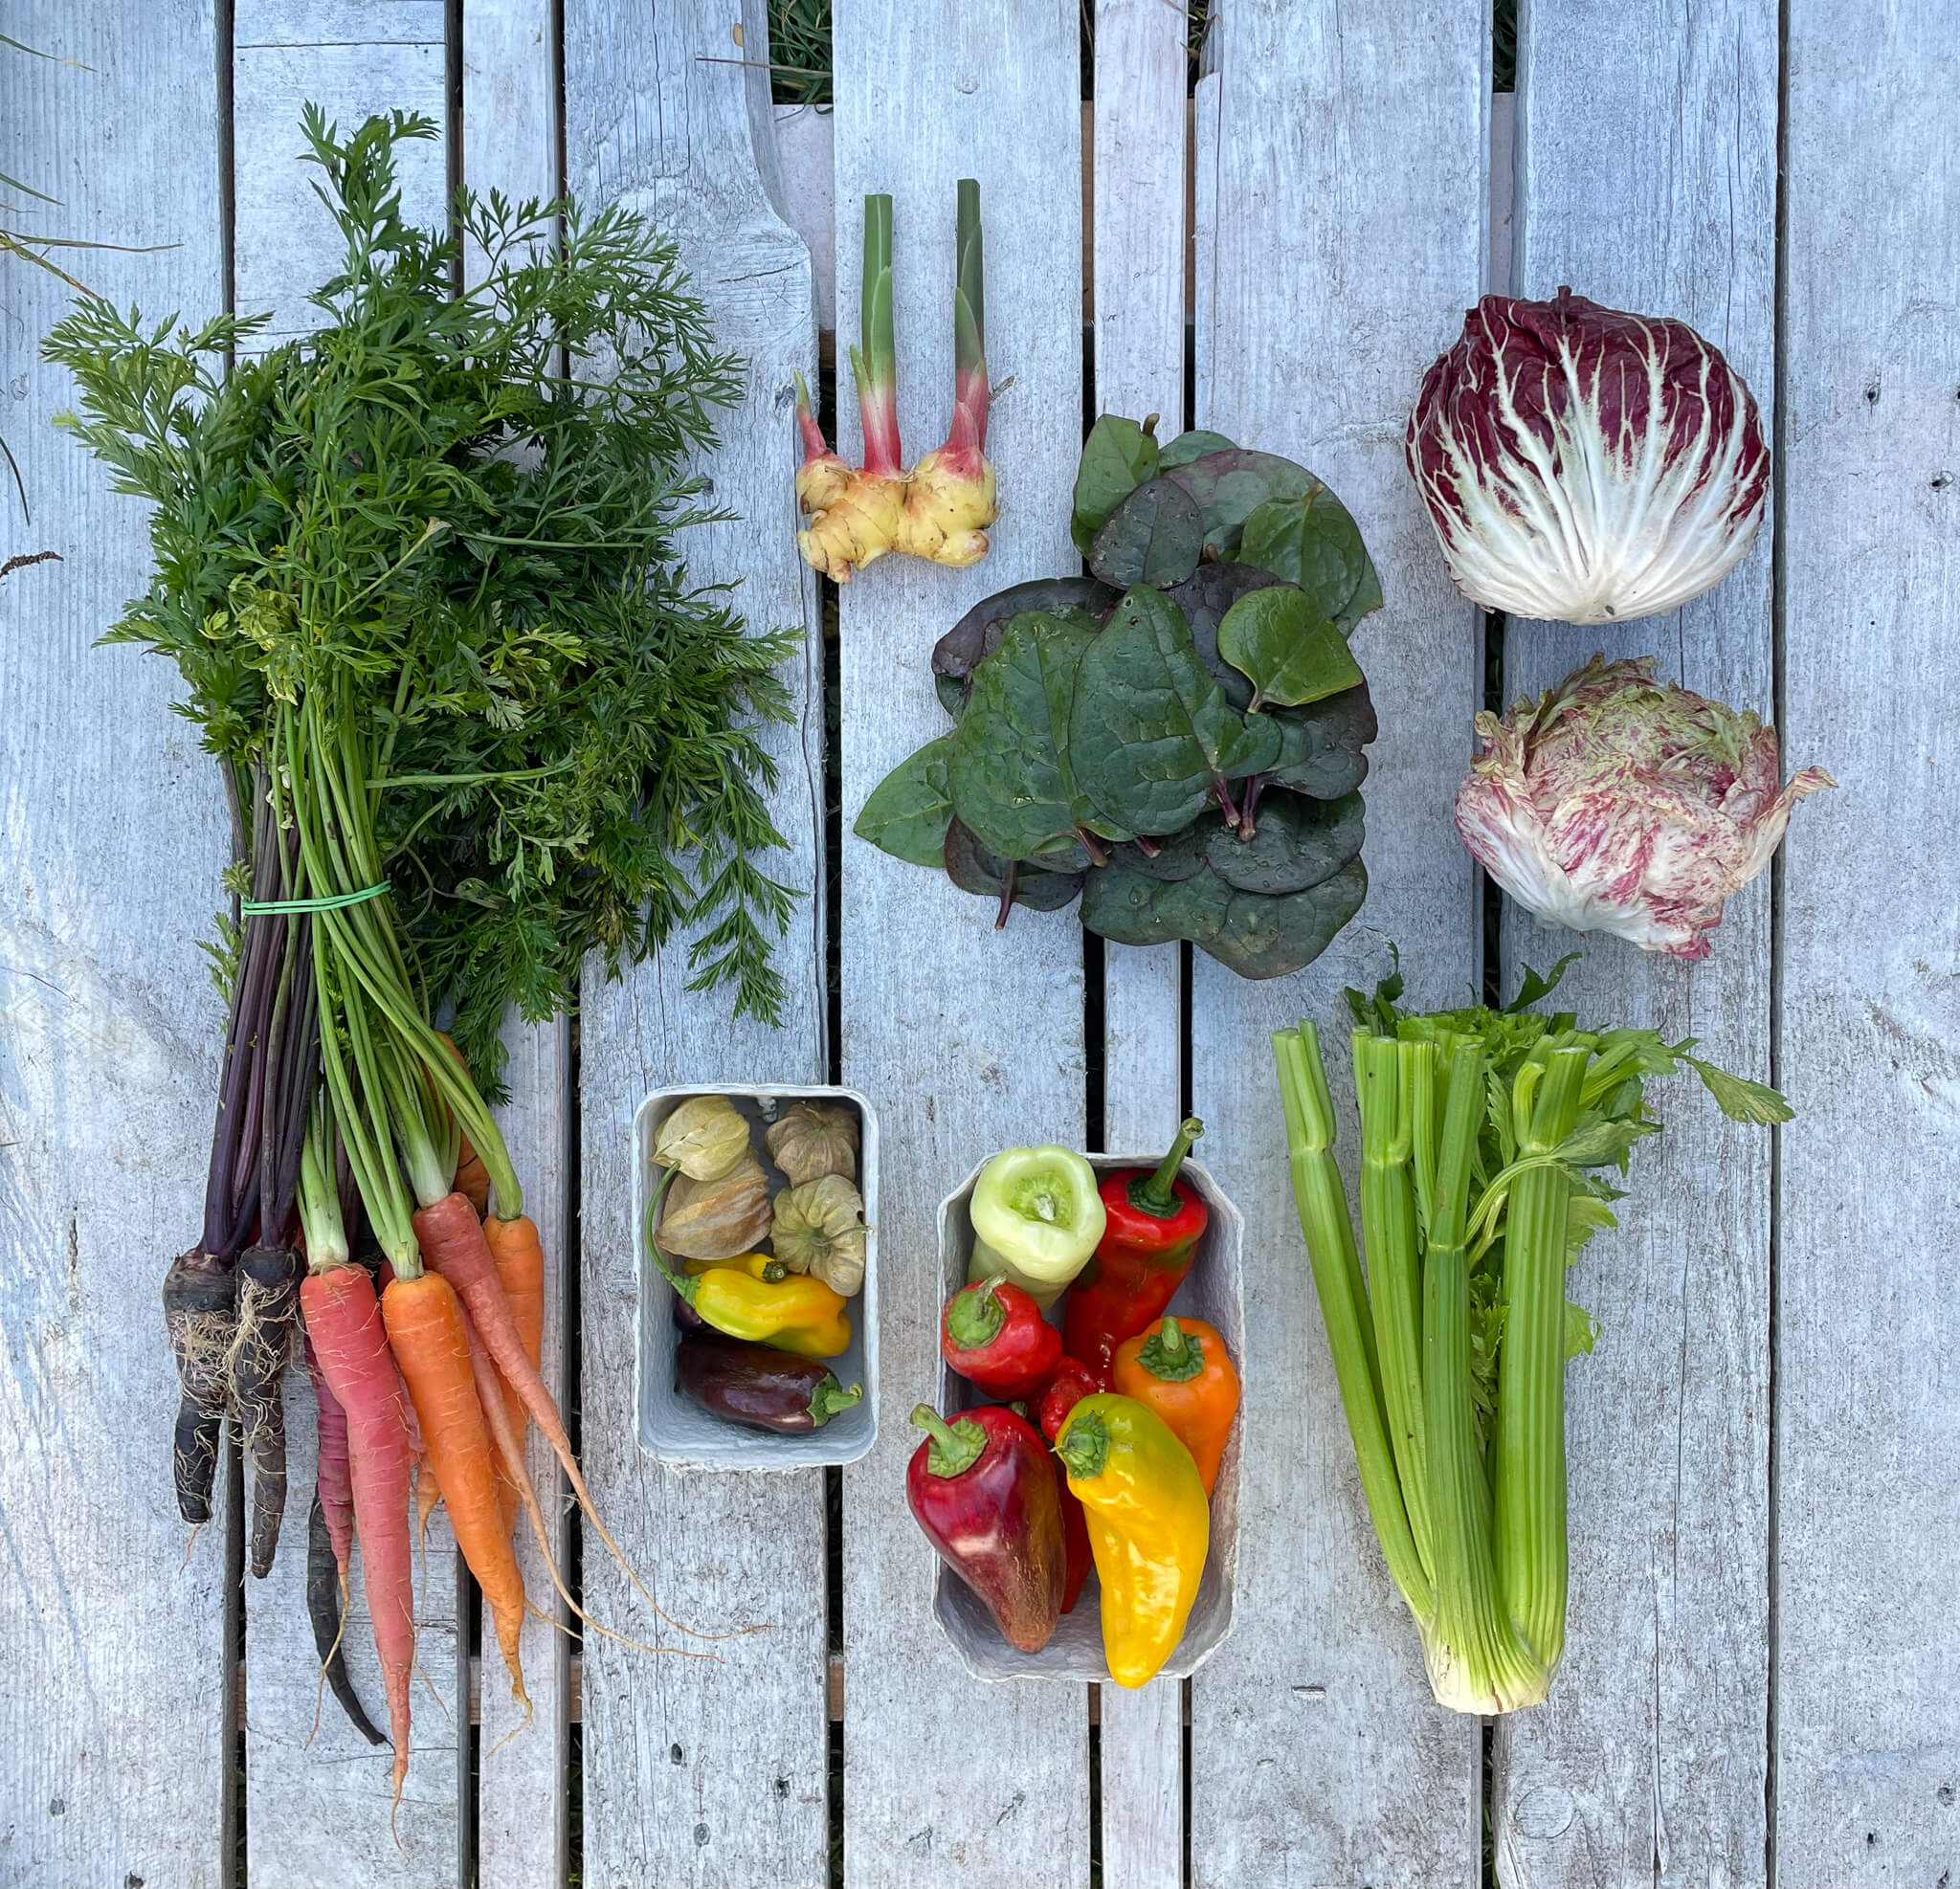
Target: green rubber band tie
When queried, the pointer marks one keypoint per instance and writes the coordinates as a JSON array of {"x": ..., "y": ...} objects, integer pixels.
[{"x": 257, "y": 908}]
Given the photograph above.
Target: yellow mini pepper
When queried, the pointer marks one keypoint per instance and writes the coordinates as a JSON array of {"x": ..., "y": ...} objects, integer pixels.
[
  {"x": 1150, "y": 1526},
  {"x": 738, "y": 1296}
]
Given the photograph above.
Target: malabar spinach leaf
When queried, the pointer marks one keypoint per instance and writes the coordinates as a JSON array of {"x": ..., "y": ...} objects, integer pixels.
[
  {"x": 1312, "y": 541},
  {"x": 1295, "y": 843},
  {"x": 1009, "y": 769},
  {"x": 1229, "y": 486},
  {"x": 1290, "y": 650},
  {"x": 1156, "y": 536},
  {"x": 977, "y": 634},
  {"x": 908, "y": 813},
  {"x": 1189, "y": 446},
  {"x": 1321, "y": 744},
  {"x": 972, "y": 868},
  {"x": 1118, "y": 457},
  {"x": 1152, "y": 735}
]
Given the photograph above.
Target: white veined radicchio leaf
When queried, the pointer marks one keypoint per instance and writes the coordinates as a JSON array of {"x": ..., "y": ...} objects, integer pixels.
[{"x": 1584, "y": 464}]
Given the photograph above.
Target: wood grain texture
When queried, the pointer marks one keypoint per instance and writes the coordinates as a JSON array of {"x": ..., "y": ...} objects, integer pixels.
[
  {"x": 1139, "y": 164},
  {"x": 315, "y": 1792},
  {"x": 701, "y": 1772},
  {"x": 510, "y": 129},
  {"x": 1646, "y": 1764},
  {"x": 964, "y": 1040},
  {"x": 112, "y": 838},
  {"x": 1868, "y": 1730},
  {"x": 808, "y": 205},
  {"x": 510, "y": 144},
  {"x": 350, "y": 57},
  {"x": 1347, "y": 211}
]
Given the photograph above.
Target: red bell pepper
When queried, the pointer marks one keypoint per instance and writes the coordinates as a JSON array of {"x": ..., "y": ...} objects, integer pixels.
[
  {"x": 1154, "y": 1223},
  {"x": 992, "y": 1333},
  {"x": 985, "y": 1491},
  {"x": 1071, "y": 1382}
]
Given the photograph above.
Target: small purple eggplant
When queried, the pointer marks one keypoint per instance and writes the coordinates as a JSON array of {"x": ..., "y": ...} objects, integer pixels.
[{"x": 759, "y": 1385}]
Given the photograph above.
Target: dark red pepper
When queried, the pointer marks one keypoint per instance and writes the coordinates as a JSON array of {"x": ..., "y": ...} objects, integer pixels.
[
  {"x": 992, "y": 1333},
  {"x": 985, "y": 1491},
  {"x": 1079, "y": 1558},
  {"x": 1071, "y": 1382},
  {"x": 1154, "y": 1223}
]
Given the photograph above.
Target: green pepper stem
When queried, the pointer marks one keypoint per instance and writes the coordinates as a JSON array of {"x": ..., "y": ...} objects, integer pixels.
[
  {"x": 1156, "y": 1195},
  {"x": 975, "y": 1316},
  {"x": 955, "y": 1446},
  {"x": 1084, "y": 1446},
  {"x": 686, "y": 1287},
  {"x": 1169, "y": 1355},
  {"x": 830, "y": 1397}
]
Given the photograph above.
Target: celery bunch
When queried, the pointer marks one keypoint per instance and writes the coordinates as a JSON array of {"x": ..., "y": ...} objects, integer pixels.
[{"x": 1487, "y": 1137}]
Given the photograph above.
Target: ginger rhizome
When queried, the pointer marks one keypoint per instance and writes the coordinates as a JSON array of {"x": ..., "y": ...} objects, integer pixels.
[{"x": 941, "y": 508}]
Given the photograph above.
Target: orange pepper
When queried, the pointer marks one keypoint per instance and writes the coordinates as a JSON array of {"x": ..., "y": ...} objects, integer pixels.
[{"x": 1180, "y": 1369}]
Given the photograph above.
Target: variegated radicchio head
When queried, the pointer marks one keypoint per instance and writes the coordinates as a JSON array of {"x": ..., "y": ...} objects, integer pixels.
[{"x": 1617, "y": 803}]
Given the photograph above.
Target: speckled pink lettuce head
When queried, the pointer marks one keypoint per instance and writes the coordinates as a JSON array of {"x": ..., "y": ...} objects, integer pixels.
[
  {"x": 1617, "y": 803},
  {"x": 1584, "y": 464}
]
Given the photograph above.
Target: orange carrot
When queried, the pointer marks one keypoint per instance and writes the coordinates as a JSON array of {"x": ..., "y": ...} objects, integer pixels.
[
  {"x": 455, "y": 1245},
  {"x": 503, "y": 1438},
  {"x": 520, "y": 1263},
  {"x": 425, "y": 1326},
  {"x": 346, "y": 1327}
]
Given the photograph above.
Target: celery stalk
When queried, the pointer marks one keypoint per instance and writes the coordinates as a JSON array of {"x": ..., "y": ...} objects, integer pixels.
[
  {"x": 1478, "y": 1128},
  {"x": 1394, "y": 1277},
  {"x": 1530, "y": 1456},
  {"x": 1475, "y": 1663},
  {"x": 1323, "y": 1204}
]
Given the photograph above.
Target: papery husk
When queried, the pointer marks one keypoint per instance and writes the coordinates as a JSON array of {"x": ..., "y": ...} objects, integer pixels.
[
  {"x": 819, "y": 1229},
  {"x": 717, "y": 1219},
  {"x": 815, "y": 1139}
]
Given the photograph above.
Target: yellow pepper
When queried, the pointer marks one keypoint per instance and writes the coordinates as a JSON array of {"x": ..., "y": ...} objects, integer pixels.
[
  {"x": 1150, "y": 1526},
  {"x": 799, "y": 1313}
]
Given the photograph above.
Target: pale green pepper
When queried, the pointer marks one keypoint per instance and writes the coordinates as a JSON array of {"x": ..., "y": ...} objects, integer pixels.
[{"x": 1037, "y": 1217}]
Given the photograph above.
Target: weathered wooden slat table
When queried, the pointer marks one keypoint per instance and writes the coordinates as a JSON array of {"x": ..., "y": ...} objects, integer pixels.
[{"x": 1761, "y": 1677}]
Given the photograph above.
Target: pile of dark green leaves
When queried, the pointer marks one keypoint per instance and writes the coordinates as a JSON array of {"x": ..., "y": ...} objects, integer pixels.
[
  {"x": 423, "y": 515},
  {"x": 1175, "y": 739}
]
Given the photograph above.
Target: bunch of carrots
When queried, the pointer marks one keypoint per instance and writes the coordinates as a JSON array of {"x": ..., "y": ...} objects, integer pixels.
[{"x": 421, "y": 585}]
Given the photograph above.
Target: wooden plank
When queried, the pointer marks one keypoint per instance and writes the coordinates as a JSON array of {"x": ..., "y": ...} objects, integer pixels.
[
  {"x": 964, "y": 1040},
  {"x": 809, "y": 174},
  {"x": 1646, "y": 1764},
  {"x": 1139, "y": 257},
  {"x": 523, "y": 1770},
  {"x": 1867, "y": 1720},
  {"x": 510, "y": 144},
  {"x": 1348, "y": 208},
  {"x": 698, "y": 1771},
  {"x": 110, "y": 848},
  {"x": 317, "y": 1811},
  {"x": 350, "y": 57}
]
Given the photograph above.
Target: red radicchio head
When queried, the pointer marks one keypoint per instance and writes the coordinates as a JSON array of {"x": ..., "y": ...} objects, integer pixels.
[
  {"x": 1617, "y": 803},
  {"x": 1584, "y": 464}
]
